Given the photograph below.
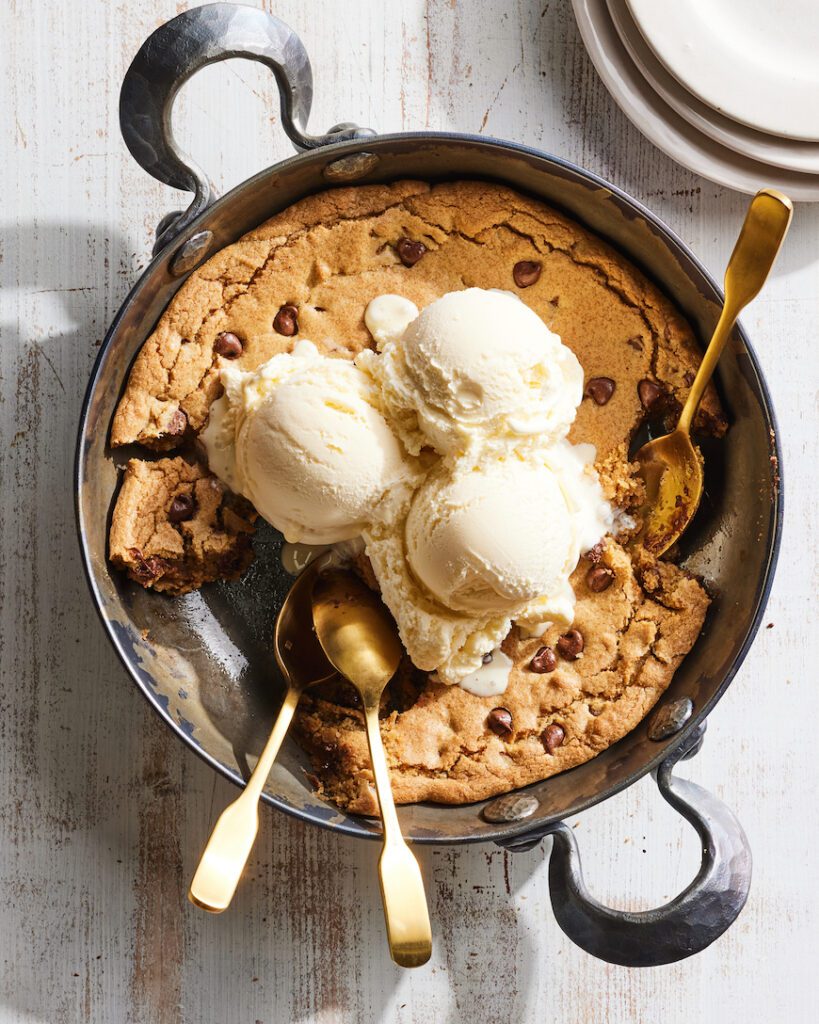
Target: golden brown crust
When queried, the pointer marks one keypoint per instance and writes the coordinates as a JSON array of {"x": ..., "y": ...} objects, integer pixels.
[
  {"x": 170, "y": 554},
  {"x": 329, "y": 254}
]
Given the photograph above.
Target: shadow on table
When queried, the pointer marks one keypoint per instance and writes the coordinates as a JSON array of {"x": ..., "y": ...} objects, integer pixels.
[
  {"x": 67, "y": 746},
  {"x": 103, "y": 812},
  {"x": 309, "y": 916}
]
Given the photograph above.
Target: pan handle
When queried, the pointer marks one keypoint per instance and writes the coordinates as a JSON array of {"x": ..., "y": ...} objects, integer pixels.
[
  {"x": 680, "y": 928},
  {"x": 177, "y": 50}
]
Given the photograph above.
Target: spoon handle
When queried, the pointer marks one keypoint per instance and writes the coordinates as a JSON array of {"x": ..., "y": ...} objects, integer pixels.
[
  {"x": 402, "y": 888},
  {"x": 230, "y": 843},
  {"x": 763, "y": 231}
]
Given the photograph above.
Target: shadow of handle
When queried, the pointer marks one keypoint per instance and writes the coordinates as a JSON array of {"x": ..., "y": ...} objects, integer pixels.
[
  {"x": 175, "y": 52},
  {"x": 680, "y": 928}
]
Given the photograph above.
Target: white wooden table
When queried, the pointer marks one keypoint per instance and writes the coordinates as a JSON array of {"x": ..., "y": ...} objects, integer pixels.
[{"x": 102, "y": 811}]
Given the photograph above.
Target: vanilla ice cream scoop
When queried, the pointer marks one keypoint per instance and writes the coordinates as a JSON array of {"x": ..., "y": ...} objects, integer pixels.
[
  {"x": 304, "y": 439},
  {"x": 476, "y": 369},
  {"x": 491, "y": 540}
]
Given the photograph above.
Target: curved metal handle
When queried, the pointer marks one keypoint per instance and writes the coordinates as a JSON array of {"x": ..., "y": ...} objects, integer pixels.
[
  {"x": 177, "y": 50},
  {"x": 689, "y": 922}
]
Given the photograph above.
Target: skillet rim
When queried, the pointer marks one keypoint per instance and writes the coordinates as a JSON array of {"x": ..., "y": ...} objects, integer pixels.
[{"x": 707, "y": 285}]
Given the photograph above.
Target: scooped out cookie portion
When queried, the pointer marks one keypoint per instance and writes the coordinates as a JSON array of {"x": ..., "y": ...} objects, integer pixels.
[{"x": 176, "y": 526}]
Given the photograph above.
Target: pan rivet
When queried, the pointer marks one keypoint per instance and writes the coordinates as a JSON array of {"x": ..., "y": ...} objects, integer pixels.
[
  {"x": 513, "y": 807},
  {"x": 191, "y": 253},
  {"x": 348, "y": 168},
  {"x": 670, "y": 718}
]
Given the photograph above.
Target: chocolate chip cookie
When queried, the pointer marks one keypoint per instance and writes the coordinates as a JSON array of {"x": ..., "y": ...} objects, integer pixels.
[{"x": 310, "y": 272}]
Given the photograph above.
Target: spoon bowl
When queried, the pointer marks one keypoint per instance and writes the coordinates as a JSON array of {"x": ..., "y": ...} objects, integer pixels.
[
  {"x": 672, "y": 470},
  {"x": 356, "y": 633}
]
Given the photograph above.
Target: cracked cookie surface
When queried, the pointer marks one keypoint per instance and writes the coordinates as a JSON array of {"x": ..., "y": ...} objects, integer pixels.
[{"x": 330, "y": 254}]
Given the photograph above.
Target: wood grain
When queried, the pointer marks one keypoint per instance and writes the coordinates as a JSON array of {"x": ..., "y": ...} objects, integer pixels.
[{"x": 102, "y": 813}]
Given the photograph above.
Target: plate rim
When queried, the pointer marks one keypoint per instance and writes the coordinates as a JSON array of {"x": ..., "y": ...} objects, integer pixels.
[
  {"x": 733, "y": 135},
  {"x": 728, "y": 102},
  {"x": 670, "y": 132}
]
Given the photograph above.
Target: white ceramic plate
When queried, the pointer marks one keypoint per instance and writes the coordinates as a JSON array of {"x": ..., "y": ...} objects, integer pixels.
[
  {"x": 753, "y": 60},
  {"x": 664, "y": 127},
  {"x": 793, "y": 154}
]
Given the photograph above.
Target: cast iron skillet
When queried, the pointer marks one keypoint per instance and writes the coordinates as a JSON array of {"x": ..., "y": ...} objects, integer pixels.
[{"x": 205, "y": 662}]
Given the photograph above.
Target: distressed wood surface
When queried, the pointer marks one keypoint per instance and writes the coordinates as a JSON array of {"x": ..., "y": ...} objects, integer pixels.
[{"x": 102, "y": 812}]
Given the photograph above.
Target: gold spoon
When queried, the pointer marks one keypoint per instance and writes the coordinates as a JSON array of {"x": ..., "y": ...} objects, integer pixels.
[
  {"x": 360, "y": 639},
  {"x": 302, "y": 663},
  {"x": 671, "y": 466}
]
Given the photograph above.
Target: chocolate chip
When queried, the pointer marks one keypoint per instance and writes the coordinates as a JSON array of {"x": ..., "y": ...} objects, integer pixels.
[
  {"x": 596, "y": 553},
  {"x": 552, "y": 737},
  {"x": 178, "y": 424},
  {"x": 487, "y": 658},
  {"x": 571, "y": 644},
  {"x": 600, "y": 389},
  {"x": 544, "y": 660},
  {"x": 184, "y": 341},
  {"x": 409, "y": 251},
  {"x": 499, "y": 721},
  {"x": 229, "y": 345},
  {"x": 526, "y": 273},
  {"x": 649, "y": 393},
  {"x": 327, "y": 755},
  {"x": 599, "y": 578},
  {"x": 147, "y": 569},
  {"x": 182, "y": 508},
  {"x": 286, "y": 321}
]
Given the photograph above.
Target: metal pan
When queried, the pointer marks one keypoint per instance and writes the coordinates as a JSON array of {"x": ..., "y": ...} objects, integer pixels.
[{"x": 203, "y": 661}]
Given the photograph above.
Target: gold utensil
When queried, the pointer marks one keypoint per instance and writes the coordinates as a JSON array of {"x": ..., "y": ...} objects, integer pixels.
[
  {"x": 360, "y": 639},
  {"x": 302, "y": 662},
  {"x": 671, "y": 466}
]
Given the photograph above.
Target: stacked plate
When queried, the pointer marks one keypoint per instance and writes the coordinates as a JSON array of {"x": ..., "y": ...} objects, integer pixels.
[{"x": 730, "y": 88}]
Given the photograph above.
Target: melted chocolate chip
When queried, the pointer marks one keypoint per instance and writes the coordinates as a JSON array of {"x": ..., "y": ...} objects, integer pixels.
[
  {"x": 571, "y": 645},
  {"x": 649, "y": 393},
  {"x": 147, "y": 569},
  {"x": 599, "y": 578},
  {"x": 499, "y": 721},
  {"x": 178, "y": 425},
  {"x": 552, "y": 737},
  {"x": 545, "y": 660},
  {"x": 409, "y": 251},
  {"x": 327, "y": 755},
  {"x": 286, "y": 321},
  {"x": 526, "y": 273},
  {"x": 182, "y": 508},
  {"x": 596, "y": 553},
  {"x": 600, "y": 389},
  {"x": 229, "y": 345}
]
